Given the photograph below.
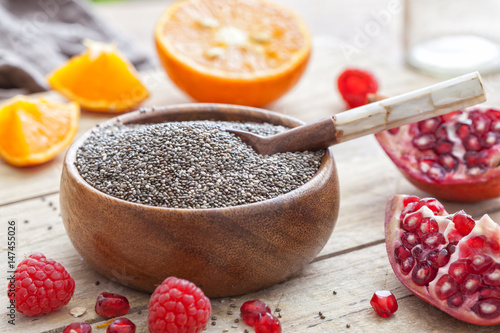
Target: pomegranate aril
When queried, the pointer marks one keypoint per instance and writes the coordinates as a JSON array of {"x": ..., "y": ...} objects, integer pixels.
[
  {"x": 78, "y": 328},
  {"x": 443, "y": 146},
  {"x": 475, "y": 159},
  {"x": 427, "y": 226},
  {"x": 463, "y": 130},
  {"x": 480, "y": 263},
  {"x": 480, "y": 122},
  {"x": 109, "y": 305},
  {"x": 488, "y": 308},
  {"x": 407, "y": 265},
  {"x": 418, "y": 253},
  {"x": 384, "y": 303},
  {"x": 267, "y": 323},
  {"x": 449, "y": 162},
  {"x": 446, "y": 287},
  {"x": 423, "y": 273},
  {"x": 435, "y": 206},
  {"x": 489, "y": 292},
  {"x": 492, "y": 277},
  {"x": 451, "y": 247},
  {"x": 424, "y": 141},
  {"x": 432, "y": 241},
  {"x": 412, "y": 221},
  {"x": 472, "y": 143},
  {"x": 394, "y": 130},
  {"x": 251, "y": 310},
  {"x": 438, "y": 258},
  {"x": 401, "y": 253},
  {"x": 429, "y": 126},
  {"x": 459, "y": 269},
  {"x": 442, "y": 132},
  {"x": 451, "y": 115},
  {"x": 410, "y": 240},
  {"x": 456, "y": 300},
  {"x": 409, "y": 199},
  {"x": 121, "y": 325},
  {"x": 489, "y": 140},
  {"x": 464, "y": 223},
  {"x": 470, "y": 284}
]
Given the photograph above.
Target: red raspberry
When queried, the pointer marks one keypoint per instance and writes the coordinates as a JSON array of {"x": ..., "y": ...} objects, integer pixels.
[
  {"x": 251, "y": 310},
  {"x": 42, "y": 286},
  {"x": 78, "y": 328},
  {"x": 178, "y": 306},
  {"x": 354, "y": 85}
]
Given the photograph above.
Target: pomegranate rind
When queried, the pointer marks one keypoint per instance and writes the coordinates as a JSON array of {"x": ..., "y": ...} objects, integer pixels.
[
  {"x": 471, "y": 188},
  {"x": 485, "y": 227}
]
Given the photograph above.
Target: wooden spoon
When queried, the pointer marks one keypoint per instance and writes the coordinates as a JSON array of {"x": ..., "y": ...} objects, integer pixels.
[{"x": 435, "y": 100}]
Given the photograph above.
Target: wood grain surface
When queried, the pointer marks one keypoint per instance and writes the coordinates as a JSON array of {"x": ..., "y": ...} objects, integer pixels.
[{"x": 341, "y": 279}]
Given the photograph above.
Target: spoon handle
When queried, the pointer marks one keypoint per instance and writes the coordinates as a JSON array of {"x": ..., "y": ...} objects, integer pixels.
[{"x": 435, "y": 100}]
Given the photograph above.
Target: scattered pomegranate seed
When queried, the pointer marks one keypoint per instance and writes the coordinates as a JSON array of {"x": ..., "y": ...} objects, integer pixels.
[
  {"x": 251, "y": 310},
  {"x": 78, "y": 328},
  {"x": 109, "y": 305},
  {"x": 267, "y": 323},
  {"x": 384, "y": 303},
  {"x": 121, "y": 325},
  {"x": 354, "y": 85}
]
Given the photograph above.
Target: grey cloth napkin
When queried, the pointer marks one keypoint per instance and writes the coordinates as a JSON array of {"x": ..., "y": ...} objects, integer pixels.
[{"x": 37, "y": 36}]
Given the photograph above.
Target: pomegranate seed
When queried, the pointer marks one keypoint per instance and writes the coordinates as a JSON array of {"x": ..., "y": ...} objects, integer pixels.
[
  {"x": 442, "y": 132},
  {"x": 412, "y": 221},
  {"x": 475, "y": 159},
  {"x": 477, "y": 242},
  {"x": 480, "y": 263},
  {"x": 436, "y": 171},
  {"x": 492, "y": 277},
  {"x": 455, "y": 300},
  {"x": 407, "y": 265},
  {"x": 449, "y": 162},
  {"x": 438, "y": 258},
  {"x": 424, "y": 141},
  {"x": 488, "y": 308},
  {"x": 394, "y": 130},
  {"x": 493, "y": 114},
  {"x": 267, "y": 323},
  {"x": 450, "y": 115},
  {"x": 489, "y": 140},
  {"x": 489, "y": 292},
  {"x": 251, "y": 310},
  {"x": 480, "y": 122},
  {"x": 429, "y": 126},
  {"x": 401, "y": 253},
  {"x": 410, "y": 239},
  {"x": 443, "y": 147},
  {"x": 459, "y": 269},
  {"x": 446, "y": 287},
  {"x": 78, "y": 328},
  {"x": 428, "y": 226},
  {"x": 354, "y": 85},
  {"x": 432, "y": 241},
  {"x": 418, "y": 253},
  {"x": 472, "y": 143},
  {"x": 384, "y": 303},
  {"x": 463, "y": 130},
  {"x": 451, "y": 247},
  {"x": 121, "y": 325},
  {"x": 464, "y": 223},
  {"x": 410, "y": 198},
  {"x": 423, "y": 273},
  {"x": 470, "y": 284},
  {"x": 435, "y": 206},
  {"x": 111, "y": 305}
]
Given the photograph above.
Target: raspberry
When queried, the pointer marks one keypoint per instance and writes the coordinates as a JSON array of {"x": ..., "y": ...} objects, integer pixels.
[
  {"x": 109, "y": 305},
  {"x": 354, "y": 85},
  {"x": 42, "y": 286},
  {"x": 121, "y": 325},
  {"x": 178, "y": 305},
  {"x": 78, "y": 328},
  {"x": 251, "y": 310}
]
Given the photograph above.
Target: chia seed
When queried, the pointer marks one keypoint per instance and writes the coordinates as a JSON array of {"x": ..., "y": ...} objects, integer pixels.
[{"x": 190, "y": 164}]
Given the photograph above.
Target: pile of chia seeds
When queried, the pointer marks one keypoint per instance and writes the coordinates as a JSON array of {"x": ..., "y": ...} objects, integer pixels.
[{"x": 190, "y": 164}]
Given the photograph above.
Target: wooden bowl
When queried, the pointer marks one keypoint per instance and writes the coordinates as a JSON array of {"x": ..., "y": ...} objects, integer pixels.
[{"x": 225, "y": 251}]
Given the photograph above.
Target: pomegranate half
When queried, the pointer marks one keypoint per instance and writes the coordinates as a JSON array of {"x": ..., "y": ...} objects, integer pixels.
[
  {"x": 449, "y": 260},
  {"x": 454, "y": 157}
]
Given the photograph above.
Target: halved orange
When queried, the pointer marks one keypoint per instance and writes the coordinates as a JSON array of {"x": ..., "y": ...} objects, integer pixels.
[
  {"x": 100, "y": 79},
  {"x": 34, "y": 130},
  {"x": 247, "y": 52}
]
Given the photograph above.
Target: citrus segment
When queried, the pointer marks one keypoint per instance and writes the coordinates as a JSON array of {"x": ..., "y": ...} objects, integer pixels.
[
  {"x": 35, "y": 130},
  {"x": 246, "y": 52},
  {"x": 100, "y": 79}
]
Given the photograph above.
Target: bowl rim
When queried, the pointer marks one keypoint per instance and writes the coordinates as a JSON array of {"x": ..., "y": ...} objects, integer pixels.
[{"x": 327, "y": 160}]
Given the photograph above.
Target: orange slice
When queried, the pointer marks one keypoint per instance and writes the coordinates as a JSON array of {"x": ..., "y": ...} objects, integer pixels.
[
  {"x": 247, "y": 52},
  {"x": 100, "y": 79},
  {"x": 35, "y": 130}
]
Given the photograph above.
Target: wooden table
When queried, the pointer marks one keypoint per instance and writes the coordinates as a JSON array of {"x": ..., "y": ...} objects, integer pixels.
[{"x": 341, "y": 280}]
